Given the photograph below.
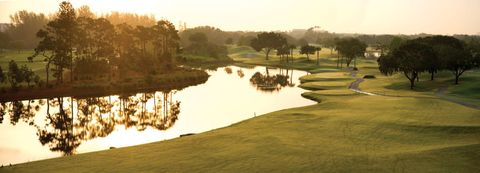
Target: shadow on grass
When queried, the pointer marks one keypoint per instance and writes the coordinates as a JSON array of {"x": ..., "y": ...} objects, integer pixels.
[{"x": 421, "y": 86}]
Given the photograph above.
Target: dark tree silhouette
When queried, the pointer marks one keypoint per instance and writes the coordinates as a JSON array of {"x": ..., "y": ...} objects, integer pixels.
[
  {"x": 351, "y": 48},
  {"x": 267, "y": 82},
  {"x": 267, "y": 41},
  {"x": 59, "y": 134},
  {"x": 438, "y": 43},
  {"x": 166, "y": 43},
  {"x": 330, "y": 44},
  {"x": 65, "y": 130},
  {"x": 144, "y": 35},
  {"x": 283, "y": 52},
  {"x": 307, "y": 50},
  {"x": 458, "y": 60},
  {"x": 21, "y": 110},
  {"x": 2, "y": 75},
  {"x": 59, "y": 39},
  {"x": 27, "y": 74},
  {"x": 292, "y": 48},
  {"x": 124, "y": 45},
  {"x": 15, "y": 74},
  {"x": 46, "y": 49},
  {"x": 94, "y": 48},
  {"x": 409, "y": 59}
]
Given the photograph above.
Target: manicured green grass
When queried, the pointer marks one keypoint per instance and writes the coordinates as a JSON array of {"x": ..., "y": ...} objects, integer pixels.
[
  {"x": 332, "y": 92},
  {"x": 398, "y": 85},
  {"x": 326, "y": 76},
  {"x": 469, "y": 85},
  {"x": 345, "y": 132},
  {"x": 20, "y": 57},
  {"x": 341, "y": 134},
  {"x": 38, "y": 66},
  {"x": 326, "y": 85}
]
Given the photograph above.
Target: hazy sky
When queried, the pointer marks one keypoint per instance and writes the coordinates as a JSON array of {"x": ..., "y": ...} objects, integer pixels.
[{"x": 346, "y": 16}]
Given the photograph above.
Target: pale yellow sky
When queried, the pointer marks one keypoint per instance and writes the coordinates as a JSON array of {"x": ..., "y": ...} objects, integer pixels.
[{"x": 343, "y": 16}]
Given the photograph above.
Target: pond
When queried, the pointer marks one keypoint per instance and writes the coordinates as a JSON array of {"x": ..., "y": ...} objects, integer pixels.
[{"x": 46, "y": 128}]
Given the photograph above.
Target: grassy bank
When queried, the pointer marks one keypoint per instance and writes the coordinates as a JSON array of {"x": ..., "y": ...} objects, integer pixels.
[
  {"x": 344, "y": 132},
  {"x": 177, "y": 79}
]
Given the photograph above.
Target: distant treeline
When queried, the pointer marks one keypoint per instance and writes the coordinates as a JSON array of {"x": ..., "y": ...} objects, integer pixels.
[
  {"x": 21, "y": 32},
  {"x": 300, "y": 37}
]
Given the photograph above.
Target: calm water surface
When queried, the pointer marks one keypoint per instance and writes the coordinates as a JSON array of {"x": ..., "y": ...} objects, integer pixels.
[{"x": 46, "y": 128}]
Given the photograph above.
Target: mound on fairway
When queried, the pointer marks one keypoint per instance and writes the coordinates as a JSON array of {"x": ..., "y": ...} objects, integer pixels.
[{"x": 326, "y": 76}]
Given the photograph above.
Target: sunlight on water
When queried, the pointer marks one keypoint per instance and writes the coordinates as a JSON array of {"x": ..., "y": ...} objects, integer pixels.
[{"x": 230, "y": 95}]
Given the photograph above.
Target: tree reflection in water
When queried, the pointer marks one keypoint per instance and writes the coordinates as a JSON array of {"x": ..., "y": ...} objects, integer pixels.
[
  {"x": 58, "y": 132},
  {"x": 228, "y": 70},
  {"x": 240, "y": 73},
  {"x": 134, "y": 111},
  {"x": 267, "y": 82},
  {"x": 70, "y": 121},
  {"x": 20, "y": 110}
]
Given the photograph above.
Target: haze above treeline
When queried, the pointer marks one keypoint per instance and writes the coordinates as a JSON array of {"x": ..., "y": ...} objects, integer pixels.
[
  {"x": 21, "y": 32},
  {"x": 340, "y": 16}
]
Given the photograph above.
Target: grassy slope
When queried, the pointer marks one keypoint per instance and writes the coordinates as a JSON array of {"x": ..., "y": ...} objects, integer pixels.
[{"x": 346, "y": 132}]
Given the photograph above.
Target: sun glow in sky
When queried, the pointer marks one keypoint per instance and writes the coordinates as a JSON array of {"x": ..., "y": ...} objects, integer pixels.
[{"x": 343, "y": 16}]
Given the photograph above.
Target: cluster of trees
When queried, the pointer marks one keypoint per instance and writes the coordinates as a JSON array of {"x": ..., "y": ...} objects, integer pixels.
[
  {"x": 245, "y": 40},
  {"x": 80, "y": 43},
  {"x": 212, "y": 34},
  {"x": 213, "y": 41},
  {"x": 268, "y": 41},
  {"x": 16, "y": 75},
  {"x": 431, "y": 54},
  {"x": 381, "y": 43},
  {"x": 199, "y": 45},
  {"x": 217, "y": 36},
  {"x": 283, "y": 44},
  {"x": 307, "y": 50},
  {"x": 268, "y": 82},
  {"x": 349, "y": 49}
]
